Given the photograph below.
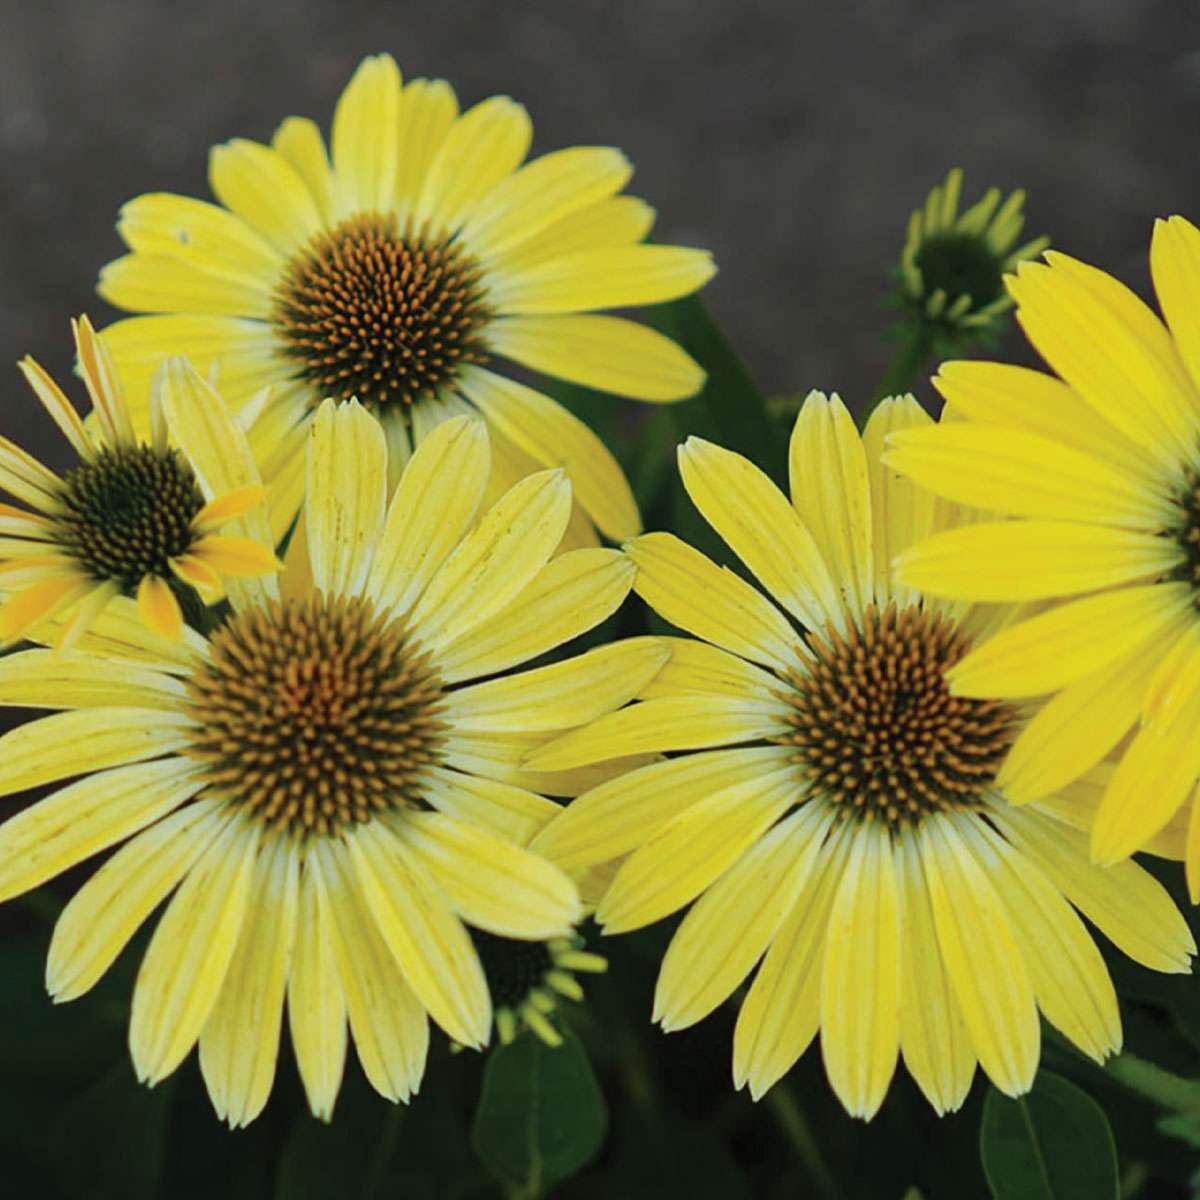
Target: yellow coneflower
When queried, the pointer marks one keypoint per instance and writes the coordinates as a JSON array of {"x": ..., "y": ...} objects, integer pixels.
[
  {"x": 131, "y": 519},
  {"x": 398, "y": 270},
  {"x": 318, "y": 782},
  {"x": 833, "y": 811},
  {"x": 1101, "y": 468}
]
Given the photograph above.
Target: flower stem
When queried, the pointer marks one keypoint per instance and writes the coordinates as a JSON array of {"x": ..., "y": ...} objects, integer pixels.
[
  {"x": 905, "y": 366},
  {"x": 1160, "y": 1086},
  {"x": 794, "y": 1126}
]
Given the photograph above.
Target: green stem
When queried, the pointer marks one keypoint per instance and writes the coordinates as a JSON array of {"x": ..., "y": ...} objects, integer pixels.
[
  {"x": 1154, "y": 1083},
  {"x": 905, "y": 366},
  {"x": 794, "y": 1125}
]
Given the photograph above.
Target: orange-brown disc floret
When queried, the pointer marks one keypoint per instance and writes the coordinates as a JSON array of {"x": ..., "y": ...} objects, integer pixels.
[
  {"x": 315, "y": 714},
  {"x": 386, "y": 316},
  {"x": 876, "y": 728}
]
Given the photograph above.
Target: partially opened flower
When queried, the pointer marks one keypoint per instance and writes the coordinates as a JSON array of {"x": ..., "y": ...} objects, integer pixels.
[
  {"x": 131, "y": 519},
  {"x": 1101, "y": 468},
  {"x": 833, "y": 811},
  {"x": 317, "y": 781},
  {"x": 399, "y": 270}
]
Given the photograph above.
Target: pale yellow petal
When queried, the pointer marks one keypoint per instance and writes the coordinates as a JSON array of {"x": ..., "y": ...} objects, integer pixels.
[
  {"x": 554, "y": 437},
  {"x": 316, "y": 1001},
  {"x": 428, "y": 941},
  {"x": 365, "y": 137},
  {"x": 239, "y": 1044},
  {"x": 161, "y": 283},
  {"x": 730, "y": 927},
  {"x": 100, "y": 378},
  {"x": 617, "y": 221},
  {"x": 753, "y": 517},
  {"x": 105, "y": 913},
  {"x": 428, "y": 108},
  {"x": 611, "y": 354},
  {"x": 696, "y": 668},
  {"x": 982, "y": 957},
  {"x": 259, "y": 185},
  {"x": 668, "y": 723},
  {"x": 613, "y": 277},
  {"x": 571, "y": 594},
  {"x": 345, "y": 508},
  {"x": 831, "y": 492},
  {"x": 190, "y": 952},
  {"x": 496, "y": 560},
  {"x": 483, "y": 145},
  {"x": 514, "y": 813},
  {"x": 860, "y": 980},
  {"x": 299, "y": 141},
  {"x": 61, "y": 410},
  {"x": 1175, "y": 266},
  {"x": 68, "y": 679},
  {"x": 711, "y": 602},
  {"x": 691, "y": 850},
  {"x": 492, "y": 883},
  {"x": 1030, "y": 560},
  {"x": 561, "y": 695}
]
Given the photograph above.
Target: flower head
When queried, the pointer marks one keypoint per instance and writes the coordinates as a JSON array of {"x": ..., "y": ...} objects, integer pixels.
[
  {"x": 953, "y": 264},
  {"x": 132, "y": 519},
  {"x": 1100, "y": 467},
  {"x": 329, "y": 797},
  {"x": 398, "y": 270},
  {"x": 831, "y": 809}
]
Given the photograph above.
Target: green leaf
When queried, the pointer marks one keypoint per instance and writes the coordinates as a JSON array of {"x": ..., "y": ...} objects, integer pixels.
[
  {"x": 1052, "y": 1144},
  {"x": 541, "y": 1115}
]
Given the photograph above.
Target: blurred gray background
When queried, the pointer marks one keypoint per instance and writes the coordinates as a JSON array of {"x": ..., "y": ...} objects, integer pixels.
[{"x": 792, "y": 139}]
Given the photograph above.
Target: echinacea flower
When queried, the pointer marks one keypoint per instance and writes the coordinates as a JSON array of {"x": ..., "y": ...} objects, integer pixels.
[
  {"x": 131, "y": 519},
  {"x": 397, "y": 270},
  {"x": 832, "y": 810},
  {"x": 317, "y": 781},
  {"x": 953, "y": 264},
  {"x": 1100, "y": 468}
]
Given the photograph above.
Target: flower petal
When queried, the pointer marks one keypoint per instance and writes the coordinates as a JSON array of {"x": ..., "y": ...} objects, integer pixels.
[{"x": 365, "y": 138}]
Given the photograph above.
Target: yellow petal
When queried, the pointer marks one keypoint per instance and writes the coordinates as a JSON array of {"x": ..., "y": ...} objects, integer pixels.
[
  {"x": 90, "y": 739},
  {"x": 559, "y": 696},
  {"x": 1024, "y": 474},
  {"x": 860, "y": 1022},
  {"x": 933, "y": 1036},
  {"x": 1112, "y": 349},
  {"x": 428, "y": 941},
  {"x": 161, "y": 283},
  {"x": 106, "y": 912},
  {"x": 668, "y": 723},
  {"x": 554, "y": 437},
  {"x": 1175, "y": 265},
  {"x": 364, "y": 139},
  {"x": 1054, "y": 648},
  {"x": 1192, "y": 853},
  {"x": 827, "y": 474},
  {"x": 541, "y": 192},
  {"x": 299, "y": 141},
  {"x": 610, "y": 354},
  {"x": 1127, "y": 904},
  {"x": 982, "y": 957},
  {"x": 617, "y": 221},
  {"x": 61, "y": 410},
  {"x": 428, "y": 108},
  {"x": 730, "y": 927},
  {"x": 493, "y": 563},
  {"x": 197, "y": 573},
  {"x": 22, "y": 612},
  {"x": 1069, "y": 977},
  {"x": 391, "y": 1033},
  {"x": 711, "y": 602},
  {"x": 492, "y": 883},
  {"x": 696, "y": 668},
  {"x": 434, "y": 505},
  {"x": 484, "y": 145},
  {"x": 100, "y": 379},
  {"x": 221, "y": 457},
  {"x": 344, "y": 513},
  {"x": 239, "y": 1044},
  {"x": 614, "y": 277},
  {"x": 66, "y": 679},
  {"x": 88, "y": 816},
  {"x": 236, "y": 556},
  {"x": 262, "y": 187},
  {"x": 158, "y": 607},
  {"x": 782, "y": 1010},
  {"x": 902, "y": 514},
  {"x": 514, "y": 813},
  {"x": 686, "y": 854},
  {"x": 233, "y": 504},
  {"x": 762, "y": 528},
  {"x": 190, "y": 952},
  {"x": 316, "y": 1001},
  {"x": 1029, "y": 560},
  {"x": 572, "y": 593}
]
